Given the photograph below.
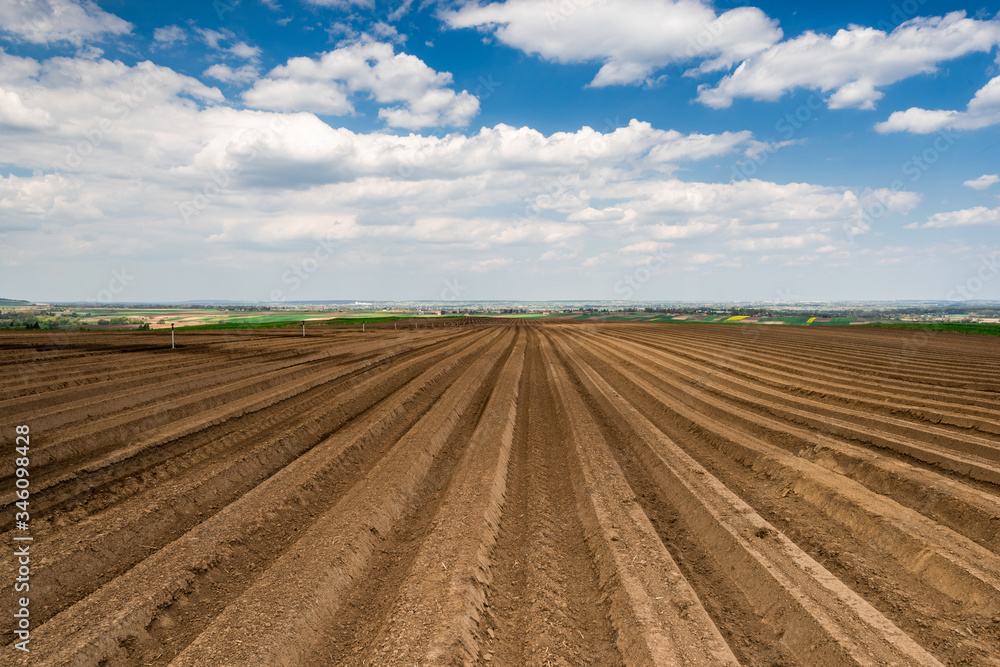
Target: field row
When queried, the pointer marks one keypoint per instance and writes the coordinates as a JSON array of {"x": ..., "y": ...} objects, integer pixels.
[{"x": 511, "y": 493}]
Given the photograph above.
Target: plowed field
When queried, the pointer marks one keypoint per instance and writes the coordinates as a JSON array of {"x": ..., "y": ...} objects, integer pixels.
[{"x": 507, "y": 493}]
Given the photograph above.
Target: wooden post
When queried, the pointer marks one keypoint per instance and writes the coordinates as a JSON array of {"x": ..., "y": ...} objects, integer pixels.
[
  {"x": 171, "y": 335},
  {"x": 303, "y": 328},
  {"x": 362, "y": 327}
]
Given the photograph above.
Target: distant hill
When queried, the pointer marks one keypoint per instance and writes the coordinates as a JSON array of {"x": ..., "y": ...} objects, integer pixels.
[{"x": 14, "y": 302}]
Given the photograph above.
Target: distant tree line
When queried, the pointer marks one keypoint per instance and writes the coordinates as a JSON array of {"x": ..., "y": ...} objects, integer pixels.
[{"x": 46, "y": 319}]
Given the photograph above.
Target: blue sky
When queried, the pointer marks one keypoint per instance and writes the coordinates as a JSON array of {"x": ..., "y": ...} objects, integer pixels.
[{"x": 564, "y": 149}]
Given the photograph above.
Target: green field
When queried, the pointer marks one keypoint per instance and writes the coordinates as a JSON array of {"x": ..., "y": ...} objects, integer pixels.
[
  {"x": 276, "y": 322},
  {"x": 107, "y": 317},
  {"x": 961, "y": 327}
]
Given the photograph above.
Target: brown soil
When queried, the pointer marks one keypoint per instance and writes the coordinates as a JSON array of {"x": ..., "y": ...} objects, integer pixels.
[{"x": 508, "y": 493}]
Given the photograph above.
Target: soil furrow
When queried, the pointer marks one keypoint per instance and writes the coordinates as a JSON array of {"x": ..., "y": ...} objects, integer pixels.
[
  {"x": 279, "y": 619},
  {"x": 956, "y": 566},
  {"x": 800, "y": 599},
  {"x": 851, "y": 393},
  {"x": 506, "y": 492},
  {"x": 545, "y": 605},
  {"x": 436, "y": 614},
  {"x": 658, "y": 616}
]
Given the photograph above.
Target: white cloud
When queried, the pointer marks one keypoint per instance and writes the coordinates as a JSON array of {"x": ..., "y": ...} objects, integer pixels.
[
  {"x": 170, "y": 35},
  {"x": 13, "y": 113},
  {"x": 704, "y": 257},
  {"x": 290, "y": 95},
  {"x": 226, "y": 42},
  {"x": 978, "y": 215},
  {"x": 271, "y": 184},
  {"x": 482, "y": 266},
  {"x": 213, "y": 38},
  {"x": 645, "y": 249},
  {"x": 918, "y": 121},
  {"x": 983, "y": 110},
  {"x": 47, "y": 21},
  {"x": 983, "y": 182},
  {"x": 245, "y": 51},
  {"x": 507, "y": 153},
  {"x": 93, "y": 109},
  {"x": 325, "y": 85},
  {"x": 342, "y": 4},
  {"x": 387, "y": 31},
  {"x": 854, "y": 63},
  {"x": 793, "y": 241},
  {"x": 340, "y": 31},
  {"x": 686, "y": 230},
  {"x": 400, "y": 11},
  {"x": 596, "y": 260},
  {"x": 221, "y": 72},
  {"x": 632, "y": 38},
  {"x": 89, "y": 52},
  {"x": 48, "y": 197},
  {"x": 589, "y": 214}
]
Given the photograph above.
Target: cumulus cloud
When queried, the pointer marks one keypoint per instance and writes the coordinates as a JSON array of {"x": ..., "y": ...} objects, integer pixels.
[
  {"x": 982, "y": 111},
  {"x": 983, "y": 182},
  {"x": 978, "y": 215},
  {"x": 589, "y": 214},
  {"x": 308, "y": 150},
  {"x": 46, "y": 197},
  {"x": 221, "y": 72},
  {"x": 175, "y": 173},
  {"x": 91, "y": 108},
  {"x": 631, "y": 38},
  {"x": 14, "y": 114},
  {"x": 419, "y": 95},
  {"x": 855, "y": 62},
  {"x": 48, "y": 21}
]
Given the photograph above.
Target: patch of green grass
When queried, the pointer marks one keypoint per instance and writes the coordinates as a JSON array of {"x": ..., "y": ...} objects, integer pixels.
[
  {"x": 961, "y": 327},
  {"x": 834, "y": 322},
  {"x": 358, "y": 320},
  {"x": 278, "y": 323},
  {"x": 264, "y": 319}
]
